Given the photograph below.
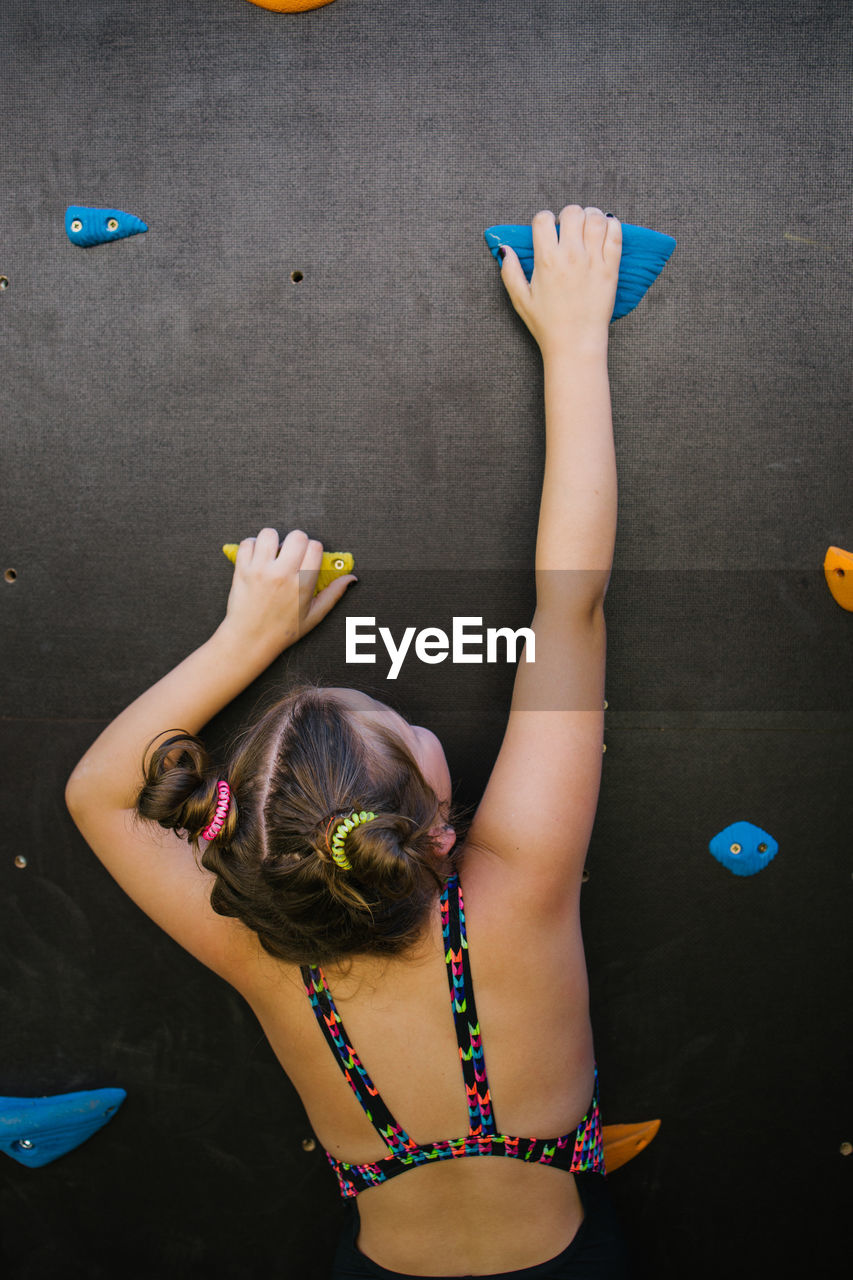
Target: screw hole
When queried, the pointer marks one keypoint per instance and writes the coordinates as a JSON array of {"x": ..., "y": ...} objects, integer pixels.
[
  {"x": 296, "y": 276},
  {"x": 10, "y": 575},
  {"x": 4, "y": 282},
  {"x": 840, "y": 572}
]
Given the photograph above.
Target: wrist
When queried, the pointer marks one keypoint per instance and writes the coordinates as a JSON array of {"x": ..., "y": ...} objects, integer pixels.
[
  {"x": 591, "y": 349},
  {"x": 242, "y": 650}
]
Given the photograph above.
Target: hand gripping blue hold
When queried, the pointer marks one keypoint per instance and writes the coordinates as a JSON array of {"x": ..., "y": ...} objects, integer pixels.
[
  {"x": 86, "y": 227},
  {"x": 744, "y": 848},
  {"x": 35, "y": 1131},
  {"x": 644, "y": 255}
]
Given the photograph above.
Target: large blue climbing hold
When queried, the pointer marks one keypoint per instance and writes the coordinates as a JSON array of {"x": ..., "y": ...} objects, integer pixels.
[
  {"x": 98, "y": 226},
  {"x": 744, "y": 848},
  {"x": 35, "y": 1131},
  {"x": 644, "y": 255}
]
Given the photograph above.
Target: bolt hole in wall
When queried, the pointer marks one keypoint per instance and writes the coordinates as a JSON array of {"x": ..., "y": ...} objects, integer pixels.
[
  {"x": 10, "y": 575},
  {"x": 4, "y": 282},
  {"x": 296, "y": 276}
]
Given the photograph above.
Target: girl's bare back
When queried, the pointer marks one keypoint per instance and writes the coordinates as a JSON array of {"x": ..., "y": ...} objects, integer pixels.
[{"x": 476, "y": 1216}]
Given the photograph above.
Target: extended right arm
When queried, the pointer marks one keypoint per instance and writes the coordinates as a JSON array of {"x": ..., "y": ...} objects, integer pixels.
[
  {"x": 538, "y": 809},
  {"x": 577, "y": 514}
]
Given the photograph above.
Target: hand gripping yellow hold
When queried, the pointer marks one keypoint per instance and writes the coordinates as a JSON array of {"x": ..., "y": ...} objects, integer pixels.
[
  {"x": 838, "y": 570},
  {"x": 335, "y": 564}
]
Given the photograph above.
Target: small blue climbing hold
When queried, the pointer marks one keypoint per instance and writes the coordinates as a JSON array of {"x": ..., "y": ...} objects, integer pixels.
[
  {"x": 98, "y": 226},
  {"x": 744, "y": 848},
  {"x": 645, "y": 253},
  {"x": 35, "y": 1131}
]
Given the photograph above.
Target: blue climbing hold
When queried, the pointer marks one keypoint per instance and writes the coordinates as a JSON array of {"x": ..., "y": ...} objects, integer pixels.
[
  {"x": 35, "y": 1131},
  {"x": 98, "y": 226},
  {"x": 744, "y": 848},
  {"x": 644, "y": 255}
]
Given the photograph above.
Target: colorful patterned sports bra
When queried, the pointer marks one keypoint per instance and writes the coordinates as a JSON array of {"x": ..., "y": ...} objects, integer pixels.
[{"x": 578, "y": 1152}]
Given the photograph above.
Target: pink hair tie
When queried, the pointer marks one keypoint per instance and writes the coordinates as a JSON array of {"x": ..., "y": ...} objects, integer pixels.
[{"x": 222, "y": 806}]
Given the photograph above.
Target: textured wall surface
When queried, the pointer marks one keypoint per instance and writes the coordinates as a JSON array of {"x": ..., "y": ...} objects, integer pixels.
[{"x": 177, "y": 390}]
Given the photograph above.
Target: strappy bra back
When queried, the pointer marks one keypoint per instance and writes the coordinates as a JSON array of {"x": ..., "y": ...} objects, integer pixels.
[{"x": 578, "y": 1152}]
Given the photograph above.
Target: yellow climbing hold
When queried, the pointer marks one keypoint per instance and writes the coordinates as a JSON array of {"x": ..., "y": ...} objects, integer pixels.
[
  {"x": 335, "y": 564},
  {"x": 838, "y": 568}
]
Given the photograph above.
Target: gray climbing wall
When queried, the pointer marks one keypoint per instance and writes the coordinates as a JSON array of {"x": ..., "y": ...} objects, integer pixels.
[{"x": 177, "y": 390}]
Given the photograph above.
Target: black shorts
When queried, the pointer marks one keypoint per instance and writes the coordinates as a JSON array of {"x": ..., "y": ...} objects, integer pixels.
[{"x": 598, "y": 1251}]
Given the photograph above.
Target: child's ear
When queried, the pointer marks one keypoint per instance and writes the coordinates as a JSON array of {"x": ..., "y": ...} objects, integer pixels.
[{"x": 447, "y": 840}]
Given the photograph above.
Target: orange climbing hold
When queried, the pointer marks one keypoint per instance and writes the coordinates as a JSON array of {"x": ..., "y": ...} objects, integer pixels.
[
  {"x": 838, "y": 567},
  {"x": 624, "y": 1141},
  {"x": 290, "y": 6}
]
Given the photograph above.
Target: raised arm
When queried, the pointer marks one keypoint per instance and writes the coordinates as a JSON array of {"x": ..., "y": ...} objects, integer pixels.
[
  {"x": 538, "y": 809},
  {"x": 270, "y": 605}
]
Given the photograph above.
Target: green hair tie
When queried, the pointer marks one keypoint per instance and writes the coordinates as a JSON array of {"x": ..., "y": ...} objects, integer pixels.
[{"x": 341, "y": 833}]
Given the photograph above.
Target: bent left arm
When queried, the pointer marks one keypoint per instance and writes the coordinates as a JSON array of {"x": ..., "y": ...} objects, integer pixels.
[
  {"x": 155, "y": 867},
  {"x": 271, "y": 605},
  {"x": 110, "y": 774}
]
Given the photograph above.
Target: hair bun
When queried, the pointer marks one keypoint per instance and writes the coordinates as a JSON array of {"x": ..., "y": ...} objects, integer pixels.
[
  {"x": 223, "y": 804},
  {"x": 181, "y": 791}
]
